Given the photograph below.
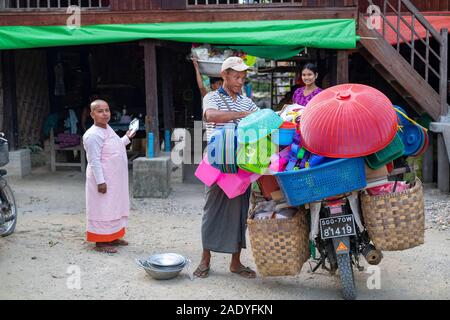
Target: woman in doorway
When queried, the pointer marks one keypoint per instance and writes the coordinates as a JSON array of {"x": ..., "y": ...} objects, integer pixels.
[
  {"x": 107, "y": 197},
  {"x": 302, "y": 95},
  {"x": 309, "y": 76}
]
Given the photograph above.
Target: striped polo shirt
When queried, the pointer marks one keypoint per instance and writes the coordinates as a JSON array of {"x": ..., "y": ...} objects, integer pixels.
[{"x": 212, "y": 100}]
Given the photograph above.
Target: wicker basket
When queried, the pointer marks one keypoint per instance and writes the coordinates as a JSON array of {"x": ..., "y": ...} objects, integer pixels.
[
  {"x": 280, "y": 246},
  {"x": 395, "y": 221}
]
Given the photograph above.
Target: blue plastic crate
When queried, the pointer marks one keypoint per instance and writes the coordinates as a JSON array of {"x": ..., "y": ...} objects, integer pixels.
[{"x": 326, "y": 180}]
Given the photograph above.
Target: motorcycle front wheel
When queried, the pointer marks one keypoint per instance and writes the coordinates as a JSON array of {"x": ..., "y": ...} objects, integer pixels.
[
  {"x": 8, "y": 210},
  {"x": 346, "y": 275}
]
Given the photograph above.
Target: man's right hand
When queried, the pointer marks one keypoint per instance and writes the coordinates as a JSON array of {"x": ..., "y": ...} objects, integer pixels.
[
  {"x": 195, "y": 62},
  {"x": 220, "y": 116},
  {"x": 101, "y": 188},
  {"x": 243, "y": 114}
]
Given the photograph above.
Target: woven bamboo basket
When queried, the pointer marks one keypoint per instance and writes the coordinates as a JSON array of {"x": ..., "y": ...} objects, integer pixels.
[
  {"x": 395, "y": 221},
  {"x": 280, "y": 247}
]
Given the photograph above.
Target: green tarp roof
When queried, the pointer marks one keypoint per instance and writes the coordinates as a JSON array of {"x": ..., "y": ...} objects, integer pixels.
[{"x": 283, "y": 37}]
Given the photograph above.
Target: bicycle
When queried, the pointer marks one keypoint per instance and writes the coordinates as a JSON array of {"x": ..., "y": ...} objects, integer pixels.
[{"x": 8, "y": 209}]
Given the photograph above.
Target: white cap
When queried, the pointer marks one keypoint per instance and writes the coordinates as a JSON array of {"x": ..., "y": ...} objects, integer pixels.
[{"x": 234, "y": 63}]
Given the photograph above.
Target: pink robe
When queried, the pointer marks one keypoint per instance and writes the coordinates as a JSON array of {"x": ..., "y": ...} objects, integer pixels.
[{"x": 107, "y": 214}]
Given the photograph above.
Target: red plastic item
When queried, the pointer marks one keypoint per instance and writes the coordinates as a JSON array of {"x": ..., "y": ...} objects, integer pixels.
[
  {"x": 288, "y": 125},
  {"x": 348, "y": 121},
  {"x": 390, "y": 166},
  {"x": 268, "y": 184}
]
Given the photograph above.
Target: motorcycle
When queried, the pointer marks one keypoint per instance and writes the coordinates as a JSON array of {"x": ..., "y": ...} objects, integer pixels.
[
  {"x": 8, "y": 209},
  {"x": 339, "y": 235}
]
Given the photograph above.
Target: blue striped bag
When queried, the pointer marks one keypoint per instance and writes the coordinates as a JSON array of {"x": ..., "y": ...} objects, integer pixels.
[{"x": 222, "y": 148}]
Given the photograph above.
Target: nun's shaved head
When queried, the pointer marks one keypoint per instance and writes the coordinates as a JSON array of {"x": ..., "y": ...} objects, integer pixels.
[{"x": 98, "y": 103}]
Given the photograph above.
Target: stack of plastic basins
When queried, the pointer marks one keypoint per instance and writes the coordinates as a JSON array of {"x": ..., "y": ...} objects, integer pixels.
[
  {"x": 254, "y": 137},
  {"x": 393, "y": 151}
]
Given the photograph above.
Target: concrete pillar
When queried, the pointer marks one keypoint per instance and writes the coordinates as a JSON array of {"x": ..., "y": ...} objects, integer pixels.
[
  {"x": 443, "y": 152},
  {"x": 19, "y": 163},
  {"x": 427, "y": 164},
  {"x": 151, "y": 177},
  {"x": 443, "y": 165}
]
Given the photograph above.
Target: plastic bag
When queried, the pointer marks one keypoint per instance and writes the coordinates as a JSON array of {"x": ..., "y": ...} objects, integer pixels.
[
  {"x": 265, "y": 206},
  {"x": 388, "y": 188}
]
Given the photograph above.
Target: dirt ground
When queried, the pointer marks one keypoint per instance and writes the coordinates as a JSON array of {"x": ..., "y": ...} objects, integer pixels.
[{"x": 40, "y": 259}]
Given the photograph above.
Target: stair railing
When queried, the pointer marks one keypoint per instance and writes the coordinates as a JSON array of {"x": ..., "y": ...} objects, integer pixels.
[{"x": 404, "y": 10}]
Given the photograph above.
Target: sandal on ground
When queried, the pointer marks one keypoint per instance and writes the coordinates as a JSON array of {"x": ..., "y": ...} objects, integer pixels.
[
  {"x": 119, "y": 242},
  {"x": 105, "y": 248},
  {"x": 245, "y": 272},
  {"x": 202, "y": 271}
]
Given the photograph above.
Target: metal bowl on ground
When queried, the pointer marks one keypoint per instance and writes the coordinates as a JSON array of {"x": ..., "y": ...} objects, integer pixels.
[
  {"x": 166, "y": 260},
  {"x": 161, "y": 273}
]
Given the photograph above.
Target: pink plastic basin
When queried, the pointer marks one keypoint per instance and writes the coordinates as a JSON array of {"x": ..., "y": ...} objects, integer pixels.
[
  {"x": 206, "y": 173},
  {"x": 235, "y": 184}
]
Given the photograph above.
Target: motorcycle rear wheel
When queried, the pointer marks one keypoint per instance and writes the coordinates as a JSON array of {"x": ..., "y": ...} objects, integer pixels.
[
  {"x": 7, "y": 202},
  {"x": 346, "y": 275}
]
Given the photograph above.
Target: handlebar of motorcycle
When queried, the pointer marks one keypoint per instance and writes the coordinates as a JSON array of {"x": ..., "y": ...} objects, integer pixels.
[
  {"x": 402, "y": 170},
  {"x": 2, "y": 137}
]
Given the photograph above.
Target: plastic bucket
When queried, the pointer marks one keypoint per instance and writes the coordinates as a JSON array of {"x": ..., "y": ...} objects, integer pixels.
[{"x": 283, "y": 137}]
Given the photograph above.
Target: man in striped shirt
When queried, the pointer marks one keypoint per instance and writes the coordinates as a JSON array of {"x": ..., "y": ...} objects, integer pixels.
[
  {"x": 217, "y": 113},
  {"x": 224, "y": 219}
]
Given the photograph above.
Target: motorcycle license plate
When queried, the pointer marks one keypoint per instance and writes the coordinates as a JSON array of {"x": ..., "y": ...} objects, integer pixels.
[{"x": 338, "y": 226}]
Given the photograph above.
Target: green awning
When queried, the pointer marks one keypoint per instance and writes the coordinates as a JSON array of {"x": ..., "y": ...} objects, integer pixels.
[{"x": 288, "y": 36}]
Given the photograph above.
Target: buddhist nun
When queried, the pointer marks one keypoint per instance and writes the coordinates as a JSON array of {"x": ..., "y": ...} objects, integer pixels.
[{"x": 107, "y": 197}]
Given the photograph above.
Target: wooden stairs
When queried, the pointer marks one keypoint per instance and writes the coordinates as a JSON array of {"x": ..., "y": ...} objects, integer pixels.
[
  {"x": 405, "y": 80},
  {"x": 400, "y": 72}
]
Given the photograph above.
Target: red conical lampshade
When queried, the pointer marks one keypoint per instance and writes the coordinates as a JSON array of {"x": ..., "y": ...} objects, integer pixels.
[{"x": 347, "y": 121}]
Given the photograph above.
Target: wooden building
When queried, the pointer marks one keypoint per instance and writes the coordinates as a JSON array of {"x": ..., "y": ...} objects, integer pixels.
[{"x": 403, "y": 49}]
